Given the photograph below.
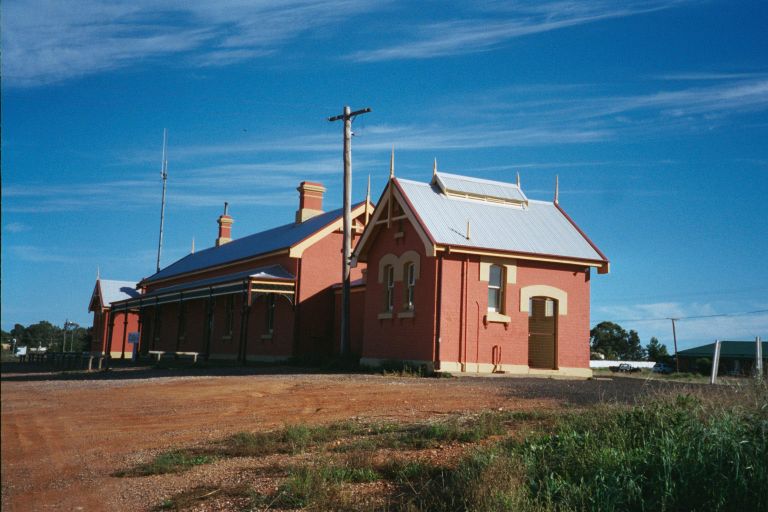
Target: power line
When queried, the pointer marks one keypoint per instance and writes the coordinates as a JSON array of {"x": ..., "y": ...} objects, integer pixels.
[
  {"x": 743, "y": 290},
  {"x": 742, "y": 313}
]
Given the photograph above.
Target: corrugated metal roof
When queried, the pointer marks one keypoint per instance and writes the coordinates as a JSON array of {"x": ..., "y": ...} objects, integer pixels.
[
  {"x": 479, "y": 187},
  {"x": 730, "y": 349},
  {"x": 538, "y": 228},
  {"x": 281, "y": 237},
  {"x": 267, "y": 272},
  {"x": 113, "y": 291}
]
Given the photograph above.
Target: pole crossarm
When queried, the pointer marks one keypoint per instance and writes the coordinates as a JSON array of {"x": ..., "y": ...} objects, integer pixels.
[{"x": 350, "y": 115}]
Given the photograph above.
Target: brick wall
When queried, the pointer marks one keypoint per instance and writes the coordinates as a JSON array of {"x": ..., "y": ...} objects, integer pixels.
[{"x": 399, "y": 338}]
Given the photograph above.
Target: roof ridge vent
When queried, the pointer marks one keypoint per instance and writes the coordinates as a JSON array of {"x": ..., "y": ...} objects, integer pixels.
[{"x": 480, "y": 189}]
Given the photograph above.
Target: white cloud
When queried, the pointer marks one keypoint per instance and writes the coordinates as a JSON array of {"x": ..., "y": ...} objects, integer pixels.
[
  {"x": 503, "y": 23},
  {"x": 16, "y": 227},
  {"x": 652, "y": 319},
  {"x": 34, "y": 254},
  {"x": 700, "y": 76},
  {"x": 187, "y": 187},
  {"x": 47, "y": 41}
]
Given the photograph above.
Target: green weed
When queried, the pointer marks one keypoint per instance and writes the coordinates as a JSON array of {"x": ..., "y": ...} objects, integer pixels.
[{"x": 169, "y": 462}]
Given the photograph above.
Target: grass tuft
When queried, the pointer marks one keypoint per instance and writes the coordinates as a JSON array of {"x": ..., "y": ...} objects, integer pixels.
[{"x": 168, "y": 462}]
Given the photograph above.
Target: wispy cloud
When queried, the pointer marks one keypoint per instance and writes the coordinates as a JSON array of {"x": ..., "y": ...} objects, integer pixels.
[
  {"x": 705, "y": 76},
  {"x": 503, "y": 23},
  {"x": 690, "y": 331},
  {"x": 497, "y": 121},
  {"x": 267, "y": 182},
  {"x": 35, "y": 254},
  {"x": 46, "y": 41},
  {"x": 17, "y": 227}
]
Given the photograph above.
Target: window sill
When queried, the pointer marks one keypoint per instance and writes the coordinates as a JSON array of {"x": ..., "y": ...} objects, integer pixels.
[
  {"x": 406, "y": 314},
  {"x": 492, "y": 316},
  {"x": 227, "y": 337},
  {"x": 266, "y": 336},
  {"x": 385, "y": 316}
]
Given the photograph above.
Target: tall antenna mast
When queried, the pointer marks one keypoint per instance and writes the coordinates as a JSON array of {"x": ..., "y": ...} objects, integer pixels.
[{"x": 164, "y": 174}]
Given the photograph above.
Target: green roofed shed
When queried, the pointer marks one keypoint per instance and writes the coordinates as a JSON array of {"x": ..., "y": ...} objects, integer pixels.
[{"x": 736, "y": 357}]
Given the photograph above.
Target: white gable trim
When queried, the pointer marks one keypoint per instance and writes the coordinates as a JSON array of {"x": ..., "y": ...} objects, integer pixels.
[
  {"x": 298, "y": 250},
  {"x": 382, "y": 208}
]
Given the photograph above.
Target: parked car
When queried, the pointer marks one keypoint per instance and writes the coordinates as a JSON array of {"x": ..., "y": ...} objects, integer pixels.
[
  {"x": 662, "y": 368},
  {"x": 624, "y": 367}
]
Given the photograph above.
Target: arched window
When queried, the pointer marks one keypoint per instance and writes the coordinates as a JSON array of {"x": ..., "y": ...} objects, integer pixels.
[
  {"x": 389, "y": 297},
  {"x": 410, "y": 285},
  {"x": 496, "y": 289}
]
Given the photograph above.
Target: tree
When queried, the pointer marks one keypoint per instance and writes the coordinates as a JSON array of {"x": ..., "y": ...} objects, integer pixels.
[
  {"x": 657, "y": 351},
  {"x": 606, "y": 339},
  {"x": 635, "y": 351},
  {"x": 612, "y": 341}
]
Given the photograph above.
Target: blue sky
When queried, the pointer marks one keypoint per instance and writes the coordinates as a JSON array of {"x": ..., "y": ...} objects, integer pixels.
[{"x": 654, "y": 114}]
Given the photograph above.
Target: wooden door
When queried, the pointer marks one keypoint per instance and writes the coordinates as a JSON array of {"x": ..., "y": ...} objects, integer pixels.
[{"x": 542, "y": 333}]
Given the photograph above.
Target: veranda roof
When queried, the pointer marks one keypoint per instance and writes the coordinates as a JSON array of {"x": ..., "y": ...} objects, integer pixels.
[{"x": 267, "y": 279}]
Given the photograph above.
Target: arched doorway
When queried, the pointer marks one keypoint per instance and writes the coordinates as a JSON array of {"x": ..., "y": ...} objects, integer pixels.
[{"x": 542, "y": 333}]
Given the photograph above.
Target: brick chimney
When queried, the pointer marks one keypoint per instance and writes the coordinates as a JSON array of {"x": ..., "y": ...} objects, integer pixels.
[
  {"x": 225, "y": 227},
  {"x": 310, "y": 200}
]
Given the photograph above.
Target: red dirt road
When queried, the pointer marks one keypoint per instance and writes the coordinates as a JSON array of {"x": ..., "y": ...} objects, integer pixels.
[{"x": 64, "y": 435}]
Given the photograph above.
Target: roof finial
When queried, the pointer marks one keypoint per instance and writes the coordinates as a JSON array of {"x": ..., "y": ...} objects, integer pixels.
[
  {"x": 434, "y": 168},
  {"x": 557, "y": 188},
  {"x": 518, "y": 179},
  {"x": 226, "y": 208},
  {"x": 392, "y": 164},
  {"x": 193, "y": 245},
  {"x": 98, "y": 272}
]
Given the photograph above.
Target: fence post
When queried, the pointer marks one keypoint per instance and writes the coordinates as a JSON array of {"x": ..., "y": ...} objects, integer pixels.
[
  {"x": 715, "y": 363},
  {"x": 758, "y": 358}
]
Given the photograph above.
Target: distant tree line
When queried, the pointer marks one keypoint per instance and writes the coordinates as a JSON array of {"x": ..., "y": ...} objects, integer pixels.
[
  {"x": 608, "y": 340},
  {"x": 45, "y": 334}
]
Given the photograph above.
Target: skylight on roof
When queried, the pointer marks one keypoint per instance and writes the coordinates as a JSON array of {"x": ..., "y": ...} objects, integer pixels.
[{"x": 480, "y": 189}]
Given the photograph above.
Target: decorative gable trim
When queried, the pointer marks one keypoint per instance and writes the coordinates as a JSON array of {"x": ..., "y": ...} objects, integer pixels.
[
  {"x": 383, "y": 214},
  {"x": 297, "y": 250}
]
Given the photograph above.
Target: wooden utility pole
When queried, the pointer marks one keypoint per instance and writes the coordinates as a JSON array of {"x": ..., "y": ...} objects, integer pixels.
[
  {"x": 347, "y": 116},
  {"x": 674, "y": 338}
]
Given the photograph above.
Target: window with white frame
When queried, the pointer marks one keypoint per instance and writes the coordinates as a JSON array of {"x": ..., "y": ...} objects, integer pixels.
[
  {"x": 410, "y": 285},
  {"x": 496, "y": 289},
  {"x": 389, "y": 280}
]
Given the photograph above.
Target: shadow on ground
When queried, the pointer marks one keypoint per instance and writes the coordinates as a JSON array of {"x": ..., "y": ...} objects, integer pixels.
[{"x": 26, "y": 372}]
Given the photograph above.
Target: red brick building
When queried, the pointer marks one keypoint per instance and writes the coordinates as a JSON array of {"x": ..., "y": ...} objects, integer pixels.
[
  {"x": 464, "y": 275},
  {"x": 267, "y": 296},
  {"x": 112, "y": 325},
  {"x": 469, "y": 275}
]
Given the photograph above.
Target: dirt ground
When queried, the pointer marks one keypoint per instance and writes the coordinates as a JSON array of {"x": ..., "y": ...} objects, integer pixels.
[{"x": 64, "y": 435}]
